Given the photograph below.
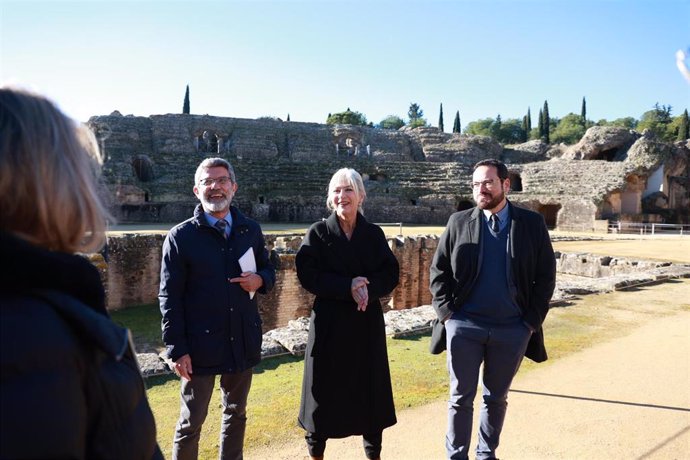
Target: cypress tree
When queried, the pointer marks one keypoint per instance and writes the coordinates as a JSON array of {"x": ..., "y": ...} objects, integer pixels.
[
  {"x": 440, "y": 118},
  {"x": 456, "y": 123},
  {"x": 684, "y": 128},
  {"x": 540, "y": 126},
  {"x": 288, "y": 119},
  {"x": 525, "y": 131},
  {"x": 546, "y": 122},
  {"x": 529, "y": 121},
  {"x": 583, "y": 113},
  {"x": 185, "y": 105}
]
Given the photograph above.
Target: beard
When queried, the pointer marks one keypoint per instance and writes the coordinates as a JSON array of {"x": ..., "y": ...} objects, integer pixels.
[
  {"x": 215, "y": 204},
  {"x": 489, "y": 201}
]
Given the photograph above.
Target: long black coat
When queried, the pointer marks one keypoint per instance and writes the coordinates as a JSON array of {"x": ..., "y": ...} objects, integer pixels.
[{"x": 346, "y": 388}]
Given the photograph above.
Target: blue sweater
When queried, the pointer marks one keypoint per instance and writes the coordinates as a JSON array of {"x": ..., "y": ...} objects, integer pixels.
[{"x": 490, "y": 301}]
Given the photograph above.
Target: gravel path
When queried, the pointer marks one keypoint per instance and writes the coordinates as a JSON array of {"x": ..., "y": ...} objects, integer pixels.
[{"x": 628, "y": 398}]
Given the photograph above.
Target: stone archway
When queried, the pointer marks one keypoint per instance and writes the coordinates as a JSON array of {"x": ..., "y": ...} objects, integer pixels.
[
  {"x": 550, "y": 213},
  {"x": 464, "y": 204},
  {"x": 143, "y": 168},
  {"x": 515, "y": 182}
]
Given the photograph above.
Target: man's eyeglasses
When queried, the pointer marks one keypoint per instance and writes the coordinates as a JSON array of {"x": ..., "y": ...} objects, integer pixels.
[
  {"x": 489, "y": 184},
  {"x": 208, "y": 182}
]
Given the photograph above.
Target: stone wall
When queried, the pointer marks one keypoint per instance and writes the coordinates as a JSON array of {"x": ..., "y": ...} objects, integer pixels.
[
  {"x": 417, "y": 175},
  {"x": 132, "y": 275},
  {"x": 596, "y": 266}
]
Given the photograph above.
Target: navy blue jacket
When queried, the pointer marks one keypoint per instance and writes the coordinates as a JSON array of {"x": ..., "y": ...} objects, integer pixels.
[
  {"x": 70, "y": 385},
  {"x": 456, "y": 264},
  {"x": 204, "y": 315}
]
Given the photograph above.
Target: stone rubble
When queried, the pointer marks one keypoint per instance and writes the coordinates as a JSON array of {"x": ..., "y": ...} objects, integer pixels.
[{"x": 292, "y": 339}]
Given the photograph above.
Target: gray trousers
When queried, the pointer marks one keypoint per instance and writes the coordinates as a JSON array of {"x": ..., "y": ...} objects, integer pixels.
[
  {"x": 501, "y": 349},
  {"x": 194, "y": 399}
]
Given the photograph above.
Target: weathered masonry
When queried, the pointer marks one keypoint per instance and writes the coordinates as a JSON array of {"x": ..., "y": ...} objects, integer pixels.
[{"x": 414, "y": 176}]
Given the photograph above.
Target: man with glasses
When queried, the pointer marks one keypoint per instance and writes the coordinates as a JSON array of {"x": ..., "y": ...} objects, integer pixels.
[
  {"x": 212, "y": 265},
  {"x": 492, "y": 278}
]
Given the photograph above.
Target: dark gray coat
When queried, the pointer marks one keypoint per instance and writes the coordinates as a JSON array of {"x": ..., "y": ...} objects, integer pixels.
[
  {"x": 455, "y": 267},
  {"x": 204, "y": 315},
  {"x": 346, "y": 388}
]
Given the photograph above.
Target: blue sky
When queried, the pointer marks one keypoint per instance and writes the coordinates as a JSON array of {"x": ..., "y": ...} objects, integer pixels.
[{"x": 311, "y": 58}]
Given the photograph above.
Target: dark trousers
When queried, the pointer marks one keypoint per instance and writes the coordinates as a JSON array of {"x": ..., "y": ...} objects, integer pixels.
[
  {"x": 501, "y": 349},
  {"x": 372, "y": 444},
  {"x": 195, "y": 395}
]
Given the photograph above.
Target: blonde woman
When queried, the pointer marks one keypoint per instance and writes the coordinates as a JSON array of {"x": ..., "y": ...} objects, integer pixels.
[
  {"x": 70, "y": 384},
  {"x": 346, "y": 262}
]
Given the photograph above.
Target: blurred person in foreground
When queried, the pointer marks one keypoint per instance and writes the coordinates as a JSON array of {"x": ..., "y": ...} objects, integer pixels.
[
  {"x": 347, "y": 263},
  {"x": 213, "y": 264},
  {"x": 70, "y": 385},
  {"x": 492, "y": 278}
]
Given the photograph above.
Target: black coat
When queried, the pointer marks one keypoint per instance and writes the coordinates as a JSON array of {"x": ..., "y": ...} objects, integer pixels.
[
  {"x": 346, "y": 388},
  {"x": 204, "y": 315},
  {"x": 70, "y": 385},
  {"x": 455, "y": 267}
]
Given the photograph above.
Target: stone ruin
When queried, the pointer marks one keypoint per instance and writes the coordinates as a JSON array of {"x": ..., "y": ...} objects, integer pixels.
[{"x": 414, "y": 176}]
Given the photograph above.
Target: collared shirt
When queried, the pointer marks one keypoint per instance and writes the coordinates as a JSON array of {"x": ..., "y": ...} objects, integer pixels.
[
  {"x": 228, "y": 218},
  {"x": 503, "y": 216}
]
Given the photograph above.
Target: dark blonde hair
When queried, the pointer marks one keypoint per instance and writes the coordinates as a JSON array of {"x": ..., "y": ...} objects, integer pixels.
[
  {"x": 48, "y": 176},
  {"x": 350, "y": 177}
]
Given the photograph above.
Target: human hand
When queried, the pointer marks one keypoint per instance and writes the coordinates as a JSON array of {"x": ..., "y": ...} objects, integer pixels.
[
  {"x": 183, "y": 367},
  {"x": 249, "y": 281},
  {"x": 360, "y": 292}
]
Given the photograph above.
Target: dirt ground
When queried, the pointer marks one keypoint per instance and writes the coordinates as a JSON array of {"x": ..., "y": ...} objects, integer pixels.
[{"x": 623, "y": 398}]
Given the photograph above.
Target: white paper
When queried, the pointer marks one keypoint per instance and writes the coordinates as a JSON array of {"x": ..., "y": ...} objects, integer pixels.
[{"x": 248, "y": 264}]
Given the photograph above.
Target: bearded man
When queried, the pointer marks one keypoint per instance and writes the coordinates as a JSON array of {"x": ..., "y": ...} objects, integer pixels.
[
  {"x": 492, "y": 278},
  {"x": 213, "y": 263}
]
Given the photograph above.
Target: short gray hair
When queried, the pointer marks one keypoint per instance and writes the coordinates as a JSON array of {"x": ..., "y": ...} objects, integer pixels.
[
  {"x": 352, "y": 178},
  {"x": 215, "y": 162}
]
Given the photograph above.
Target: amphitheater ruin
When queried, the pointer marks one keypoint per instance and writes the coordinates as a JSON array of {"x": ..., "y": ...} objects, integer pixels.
[{"x": 414, "y": 176}]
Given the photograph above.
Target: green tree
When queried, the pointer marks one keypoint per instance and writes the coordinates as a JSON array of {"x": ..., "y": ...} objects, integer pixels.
[
  {"x": 540, "y": 125},
  {"x": 684, "y": 127},
  {"x": 511, "y": 131},
  {"x": 392, "y": 122},
  {"x": 508, "y": 131},
  {"x": 546, "y": 123},
  {"x": 185, "y": 104},
  {"x": 569, "y": 129},
  {"x": 416, "y": 116},
  {"x": 658, "y": 121},
  {"x": 347, "y": 117},
  {"x": 440, "y": 119},
  {"x": 456, "y": 123},
  {"x": 583, "y": 111},
  {"x": 288, "y": 117},
  {"x": 480, "y": 127},
  {"x": 415, "y": 111}
]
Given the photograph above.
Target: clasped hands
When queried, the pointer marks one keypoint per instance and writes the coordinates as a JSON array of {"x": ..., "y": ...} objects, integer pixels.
[{"x": 360, "y": 292}]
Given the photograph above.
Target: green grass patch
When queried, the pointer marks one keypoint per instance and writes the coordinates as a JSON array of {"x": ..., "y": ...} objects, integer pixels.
[{"x": 144, "y": 321}]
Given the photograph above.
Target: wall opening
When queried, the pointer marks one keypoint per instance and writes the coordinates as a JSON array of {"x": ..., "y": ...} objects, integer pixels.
[
  {"x": 464, "y": 204},
  {"x": 550, "y": 213},
  {"x": 143, "y": 168},
  {"x": 515, "y": 182}
]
